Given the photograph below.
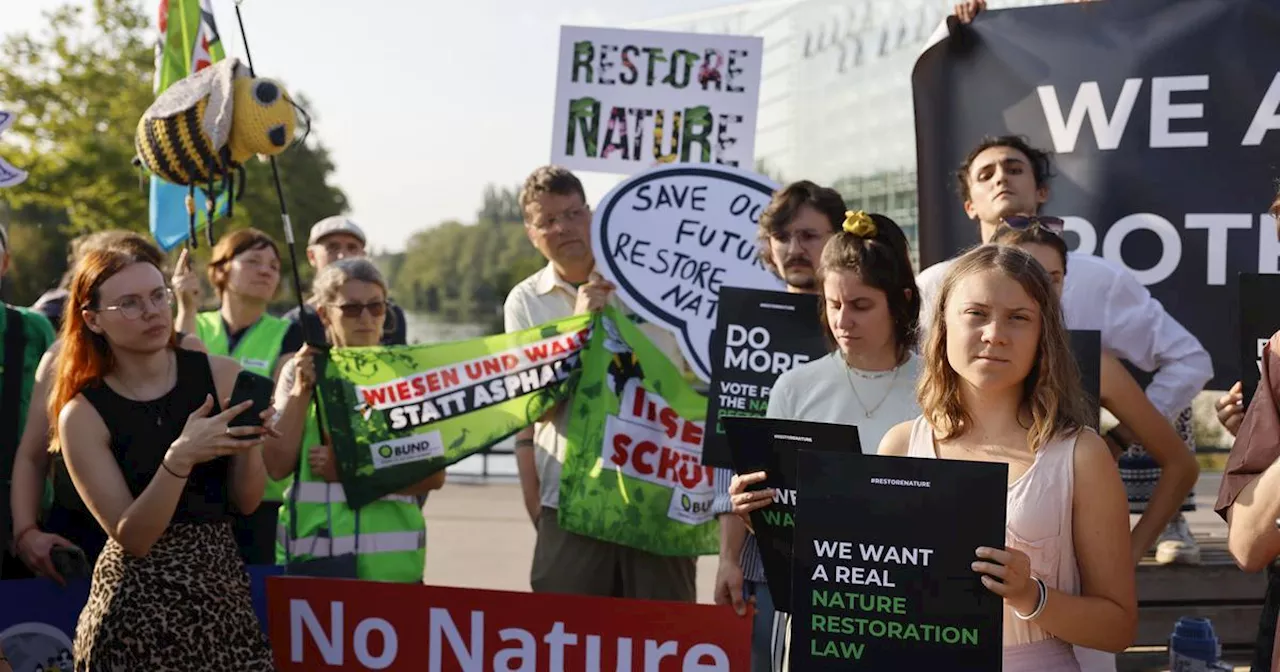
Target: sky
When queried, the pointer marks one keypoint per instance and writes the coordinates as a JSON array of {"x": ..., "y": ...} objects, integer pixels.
[{"x": 419, "y": 110}]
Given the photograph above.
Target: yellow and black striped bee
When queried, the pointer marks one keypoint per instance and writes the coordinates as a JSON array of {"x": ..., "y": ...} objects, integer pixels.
[{"x": 204, "y": 127}]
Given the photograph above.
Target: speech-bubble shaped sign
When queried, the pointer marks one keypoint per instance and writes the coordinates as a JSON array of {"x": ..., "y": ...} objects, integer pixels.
[{"x": 672, "y": 236}]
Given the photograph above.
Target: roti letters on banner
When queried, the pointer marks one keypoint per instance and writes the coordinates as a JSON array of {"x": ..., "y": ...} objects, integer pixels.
[
  {"x": 1259, "y": 319},
  {"x": 1164, "y": 155},
  {"x": 328, "y": 624},
  {"x": 627, "y": 100},
  {"x": 672, "y": 237},
  {"x": 759, "y": 336},
  {"x": 884, "y": 548}
]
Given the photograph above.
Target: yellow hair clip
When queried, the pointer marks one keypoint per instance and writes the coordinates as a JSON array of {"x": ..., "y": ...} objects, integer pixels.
[{"x": 859, "y": 224}]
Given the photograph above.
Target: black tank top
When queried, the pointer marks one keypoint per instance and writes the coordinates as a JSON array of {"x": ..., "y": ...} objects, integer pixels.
[{"x": 142, "y": 431}]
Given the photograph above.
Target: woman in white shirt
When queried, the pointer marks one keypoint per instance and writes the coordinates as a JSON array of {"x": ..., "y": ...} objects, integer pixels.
[{"x": 871, "y": 309}]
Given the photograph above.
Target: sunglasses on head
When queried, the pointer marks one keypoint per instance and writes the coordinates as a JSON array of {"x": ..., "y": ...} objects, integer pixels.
[
  {"x": 1051, "y": 224},
  {"x": 353, "y": 310}
]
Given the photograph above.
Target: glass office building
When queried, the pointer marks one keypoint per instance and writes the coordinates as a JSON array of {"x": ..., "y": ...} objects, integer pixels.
[{"x": 835, "y": 96}]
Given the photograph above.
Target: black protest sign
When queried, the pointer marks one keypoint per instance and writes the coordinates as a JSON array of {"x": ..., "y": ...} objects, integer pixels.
[
  {"x": 771, "y": 445},
  {"x": 1164, "y": 155},
  {"x": 883, "y": 573},
  {"x": 1086, "y": 345},
  {"x": 1259, "y": 319},
  {"x": 759, "y": 336}
]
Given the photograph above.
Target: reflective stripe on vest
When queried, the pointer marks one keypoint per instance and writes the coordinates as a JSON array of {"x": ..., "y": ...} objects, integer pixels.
[
  {"x": 392, "y": 543},
  {"x": 257, "y": 351},
  {"x": 323, "y": 493},
  {"x": 380, "y": 542}
]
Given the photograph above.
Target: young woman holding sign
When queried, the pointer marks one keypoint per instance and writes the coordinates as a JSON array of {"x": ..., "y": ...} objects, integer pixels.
[
  {"x": 383, "y": 541},
  {"x": 1000, "y": 384},
  {"x": 870, "y": 312}
]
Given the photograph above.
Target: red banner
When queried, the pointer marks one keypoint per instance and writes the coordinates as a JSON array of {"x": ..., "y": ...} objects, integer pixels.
[{"x": 330, "y": 624}]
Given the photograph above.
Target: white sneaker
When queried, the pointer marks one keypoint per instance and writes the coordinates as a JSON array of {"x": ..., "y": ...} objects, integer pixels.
[{"x": 1177, "y": 545}]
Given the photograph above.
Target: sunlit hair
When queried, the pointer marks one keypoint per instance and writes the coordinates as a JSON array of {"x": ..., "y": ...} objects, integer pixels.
[
  {"x": 85, "y": 357},
  {"x": 882, "y": 261},
  {"x": 1032, "y": 235},
  {"x": 1052, "y": 391},
  {"x": 231, "y": 246}
]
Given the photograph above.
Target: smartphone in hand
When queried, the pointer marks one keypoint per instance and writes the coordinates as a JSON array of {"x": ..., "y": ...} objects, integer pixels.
[
  {"x": 70, "y": 562},
  {"x": 251, "y": 386}
]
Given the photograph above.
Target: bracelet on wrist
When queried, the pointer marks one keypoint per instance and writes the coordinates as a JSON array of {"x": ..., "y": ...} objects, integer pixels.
[
  {"x": 1044, "y": 598},
  {"x": 17, "y": 538},
  {"x": 174, "y": 473}
]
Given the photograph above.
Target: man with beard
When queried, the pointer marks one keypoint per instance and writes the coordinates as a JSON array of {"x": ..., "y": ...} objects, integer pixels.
[{"x": 795, "y": 226}]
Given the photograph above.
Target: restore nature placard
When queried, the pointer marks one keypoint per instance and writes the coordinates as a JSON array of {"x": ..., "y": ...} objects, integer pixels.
[{"x": 883, "y": 554}]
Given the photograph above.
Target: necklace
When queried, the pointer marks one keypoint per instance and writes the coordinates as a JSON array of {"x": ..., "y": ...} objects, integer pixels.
[
  {"x": 870, "y": 411},
  {"x": 150, "y": 406}
]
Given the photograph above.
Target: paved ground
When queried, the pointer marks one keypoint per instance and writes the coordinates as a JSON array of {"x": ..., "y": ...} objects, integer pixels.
[{"x": 480, "y": 537}]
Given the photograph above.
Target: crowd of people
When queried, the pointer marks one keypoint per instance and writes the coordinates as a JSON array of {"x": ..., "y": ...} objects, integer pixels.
[{"x": 146, "y": 480}]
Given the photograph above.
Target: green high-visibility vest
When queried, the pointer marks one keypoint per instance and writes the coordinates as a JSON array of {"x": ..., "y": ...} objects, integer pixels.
[
  {"x": 257, "y": 351},
  {"x": 392, "y": 541}
]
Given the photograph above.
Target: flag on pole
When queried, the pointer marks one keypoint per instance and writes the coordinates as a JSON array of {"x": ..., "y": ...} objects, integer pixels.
[{"x": 189, "y": 42}]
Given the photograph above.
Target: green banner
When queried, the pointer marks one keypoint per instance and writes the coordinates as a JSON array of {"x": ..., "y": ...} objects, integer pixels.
[
  {"x": 398, "y": 414},
  {"x": 633, "y": 472}
]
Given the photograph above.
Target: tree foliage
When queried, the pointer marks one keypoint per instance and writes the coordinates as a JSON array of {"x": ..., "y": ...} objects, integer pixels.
[
  {"x": 464, "y": 271},
  {"x": 78, "y": 90}
]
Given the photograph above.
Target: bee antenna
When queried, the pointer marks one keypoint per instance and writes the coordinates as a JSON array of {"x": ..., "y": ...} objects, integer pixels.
[{"x": 306, "y": 118}]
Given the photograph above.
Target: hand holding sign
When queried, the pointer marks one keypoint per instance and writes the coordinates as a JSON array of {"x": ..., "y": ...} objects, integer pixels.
[
  {"x": 1007, "y": 573},
  {"x": 745, "y": 502},
  {"x": 594, "y": 295},
  {"x": 671, "y": 237}
]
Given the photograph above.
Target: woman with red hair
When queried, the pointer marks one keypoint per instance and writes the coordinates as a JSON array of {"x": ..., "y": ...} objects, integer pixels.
[{"x": 161, "y": 471}]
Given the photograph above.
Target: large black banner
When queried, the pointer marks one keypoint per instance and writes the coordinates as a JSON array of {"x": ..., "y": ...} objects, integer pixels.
[
  {"x": 1164, "y": 119},
  {"x": 771, "y": 446},
  {"x": 884, "y": 548},
  {"x": 1259, "y": 310},
  {"x": 759, "y": 336}
]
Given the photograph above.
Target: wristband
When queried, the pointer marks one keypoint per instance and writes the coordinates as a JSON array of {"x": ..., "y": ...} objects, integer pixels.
[
  {"x": 1044, "y": 598},
  {"x": 17, "y": 538},
  {"x": 175, "y": 474},
  {"x": 524, "y": 442}
]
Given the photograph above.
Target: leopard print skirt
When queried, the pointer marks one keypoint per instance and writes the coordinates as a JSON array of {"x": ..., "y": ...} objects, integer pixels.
[{"x": 185, "y": 606}]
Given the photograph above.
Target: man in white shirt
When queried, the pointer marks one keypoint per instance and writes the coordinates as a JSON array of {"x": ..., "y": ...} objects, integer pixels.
[
  {"x": 1005, "y": 176},
  {"x": 558, "y": 223}
]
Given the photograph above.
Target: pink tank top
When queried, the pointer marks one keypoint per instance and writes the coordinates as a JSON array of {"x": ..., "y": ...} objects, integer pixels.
[{"x": 1038, "y": 524}]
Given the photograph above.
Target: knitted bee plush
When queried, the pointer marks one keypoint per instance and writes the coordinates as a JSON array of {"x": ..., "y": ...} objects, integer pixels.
[{"x": 201, "y": 130}]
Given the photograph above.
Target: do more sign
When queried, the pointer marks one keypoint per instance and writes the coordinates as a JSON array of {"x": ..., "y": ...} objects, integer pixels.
[
  {"x": 671, "y": 237},
  {"x": 328, "y": 624}
]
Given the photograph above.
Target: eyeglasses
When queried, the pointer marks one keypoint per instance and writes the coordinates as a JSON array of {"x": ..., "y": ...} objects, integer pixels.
[
  {"x": 1053, "y": 225},
  {"x": 133, "y": 306},
  {"x": 354, "y": 310},
  {"x": 571, "y": 216}
]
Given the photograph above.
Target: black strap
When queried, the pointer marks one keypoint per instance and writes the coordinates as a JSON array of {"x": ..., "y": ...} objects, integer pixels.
[
  {"x": 1264, "y": 644},
  {"x": 15, "y": 345},
  {"x": 15, "y": 359}
]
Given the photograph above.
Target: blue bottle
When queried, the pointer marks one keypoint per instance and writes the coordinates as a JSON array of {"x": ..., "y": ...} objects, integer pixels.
[{"x": 1194, "y": 647}]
